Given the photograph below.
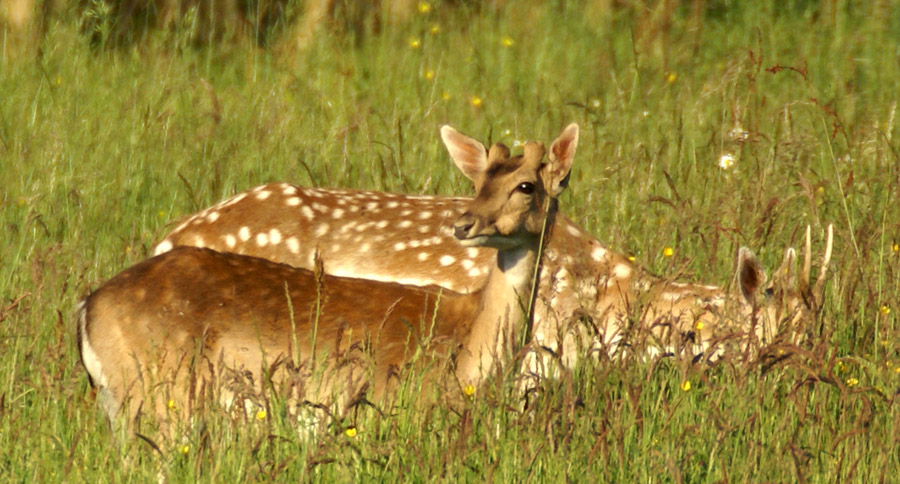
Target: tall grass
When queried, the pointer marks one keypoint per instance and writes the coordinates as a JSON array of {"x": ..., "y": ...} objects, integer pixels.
[{"x": 102, "y": 148}]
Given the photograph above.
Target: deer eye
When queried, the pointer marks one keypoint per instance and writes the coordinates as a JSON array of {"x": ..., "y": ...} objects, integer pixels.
[{"x": 525, "y": 187}]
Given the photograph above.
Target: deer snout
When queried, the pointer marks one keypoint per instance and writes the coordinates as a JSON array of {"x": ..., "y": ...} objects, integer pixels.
[{"x": 463, "y": 227}]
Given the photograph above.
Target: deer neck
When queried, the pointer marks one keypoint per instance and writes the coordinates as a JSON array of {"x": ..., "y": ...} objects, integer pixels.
[{"x": 504, "y": 305}]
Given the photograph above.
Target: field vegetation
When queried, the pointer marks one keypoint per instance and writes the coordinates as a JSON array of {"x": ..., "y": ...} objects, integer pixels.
[{"x": 706, "y": 126}]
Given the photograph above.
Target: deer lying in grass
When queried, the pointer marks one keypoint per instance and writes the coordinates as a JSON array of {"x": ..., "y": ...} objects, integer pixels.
[
  {"x": 192, "y": 322},
  {"x": 406, "y": 239}
]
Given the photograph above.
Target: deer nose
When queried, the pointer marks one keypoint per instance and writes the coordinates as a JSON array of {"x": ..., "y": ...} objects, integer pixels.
[{"x": 463, "y": 226}]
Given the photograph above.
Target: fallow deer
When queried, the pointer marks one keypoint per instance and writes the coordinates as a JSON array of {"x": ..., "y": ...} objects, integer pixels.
[
  {"x": 403, "y": 238},
  {"x": 192, "y": 320}
]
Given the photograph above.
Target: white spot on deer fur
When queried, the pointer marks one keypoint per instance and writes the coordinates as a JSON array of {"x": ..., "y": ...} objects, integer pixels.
[
  {"x": 404, "y": 224},
  {"x": 293, "y": 244},
  {"x": 371, "y": 205},
  {"x": 598, "y": 254},
  {"x": 378, "y": 239},
  {"x": 230, "y": 241},
  {"x": 467, "y": 264},
  {"x": 235, "y": 199},
  {"x": 259, "y": 188},
  {"x": 274, "y": 236},
  {"x": 392, "y": 204},
  {"x": 710, "y": 288},
  {"x": 365, "y": 247},
  {"x": 199, "y": 242},
  {"x": 307, "y": 212},
  {"x": 163, "y": 247},
  {"x": 406, "y": 213},
  {"x": 472, "y": 252},
  {"x": 424, "y": 229},
  {"x": 425, "y": 215},
  {"x": 573, "y": 230},
  {"x": 354, "y": 208},
  {"x": 415, "y": 244},
  {"x": 244, "y": 233},
  {"x": 288, "y": 190},
  {"x": 263, "y": 195},
  {"x": 621, "y": 271},
  {"x": 399, "y": 246},
  {"x": 423, "y": 256},
  {"x": 262, "y": 239},
  {"x": 212, "y": 217},
  {"x": 337, "y": 213},
  {"x": 360, "y": 227},
  {"x": 474, "y": 272},
  {"x": 292, "y": 202},
  {"x": 318, "y": 207},
  {"x": 446, "y": 260},
  {"x": 382, "y": 224},
  {"x": 322, "y": 229}
]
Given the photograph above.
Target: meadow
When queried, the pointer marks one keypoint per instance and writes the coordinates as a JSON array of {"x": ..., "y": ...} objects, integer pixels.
[{"x": 705, "y": 126}]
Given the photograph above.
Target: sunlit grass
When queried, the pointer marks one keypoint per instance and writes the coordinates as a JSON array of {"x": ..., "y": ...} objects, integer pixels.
[{"x": 735, "y": 126}]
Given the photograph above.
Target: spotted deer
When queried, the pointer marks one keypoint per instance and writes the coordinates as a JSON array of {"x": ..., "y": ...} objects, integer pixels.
[
  {"x": 192, "y": 320},
  {"x": 407, "y": 239}
]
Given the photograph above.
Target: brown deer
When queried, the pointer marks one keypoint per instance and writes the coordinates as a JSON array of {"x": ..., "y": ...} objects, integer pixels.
[
  {"x": 192, "y": 322},
  {"x": 401, "y": 238}
]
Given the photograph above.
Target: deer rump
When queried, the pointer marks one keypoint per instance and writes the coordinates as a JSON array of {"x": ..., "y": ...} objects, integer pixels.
[{"x": 209, "y": 317}]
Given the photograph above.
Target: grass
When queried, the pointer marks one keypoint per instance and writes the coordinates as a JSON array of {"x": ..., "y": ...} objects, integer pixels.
[{"x": 102, "y": 148}]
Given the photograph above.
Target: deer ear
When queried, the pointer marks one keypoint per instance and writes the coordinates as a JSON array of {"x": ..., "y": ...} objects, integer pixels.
[
  {"x": 749, "y": 274},
  {"x": 469, "y": 155},
  {"x": 562, "y": 153}
]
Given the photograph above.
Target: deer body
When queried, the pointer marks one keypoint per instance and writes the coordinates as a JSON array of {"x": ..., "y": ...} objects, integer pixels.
[{"x": 191, "y": 321}]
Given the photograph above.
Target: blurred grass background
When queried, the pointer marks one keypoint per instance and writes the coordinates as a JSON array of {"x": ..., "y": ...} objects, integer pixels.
[{"x": 112, "y": 126}]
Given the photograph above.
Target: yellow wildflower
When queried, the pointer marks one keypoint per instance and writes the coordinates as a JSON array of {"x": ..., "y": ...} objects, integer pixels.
[
  {"x": 261, "y": 414},
  {"x": 699, "y": 325},
  {"x": 184, "y": 449},
  {"x": 435, "y": 29},
  {"x": 445, "y": 95},
  {"x": 171, "y": 404},
  {"x": 686, "y": 386},
  {"x": 476, "y": 101},
  {"x": 896, "y": 248},
  {"x": 469, "y": 390},
  {"x": 424, "y": 7},
  {"x": 726, "y": 161},
  {"x": 350, "y": 432},
  {"x": 428, "y": 74},
  {"x": 414, "y": 43},
  {"x": 885, "y": 310},
  {"x": 671, "y": 77},
  {"x": 852, "y": 382},
  {"x": 631, "y": 258},
  {"x": 668, "y": 252},
  {"x": 507, "y": 41}
]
